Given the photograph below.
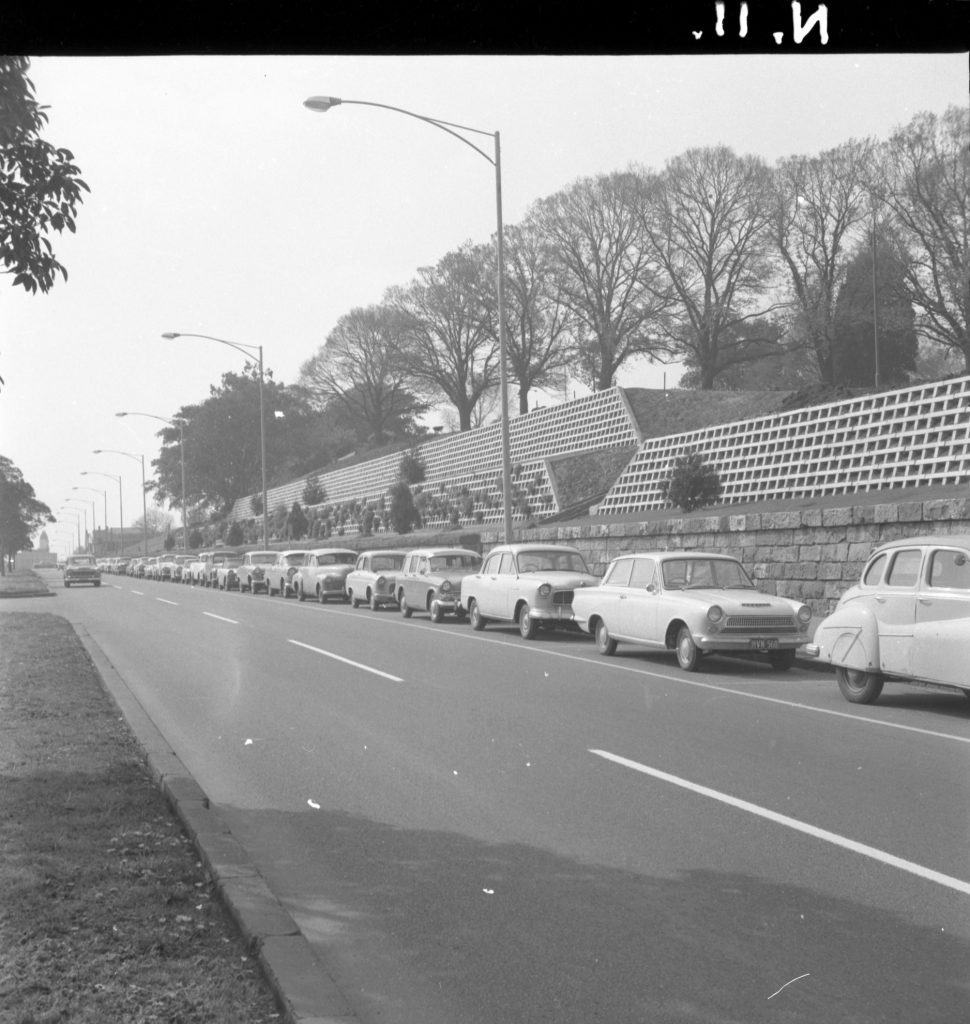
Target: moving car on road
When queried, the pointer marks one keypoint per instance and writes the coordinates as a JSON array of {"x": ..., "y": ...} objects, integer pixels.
[
  {"x": 323, "y": 574},
  {"x": 907, "y": 619},
  {"x": 373, "y": 580},
  {"x": 693, "y": 602},
  {"x": 81, "y": 569},
  {"x": 528, "y": 584},
  {"x": 430, "y": 580}
]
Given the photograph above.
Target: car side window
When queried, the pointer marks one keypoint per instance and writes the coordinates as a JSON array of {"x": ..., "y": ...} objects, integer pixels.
[
  {"x": 950, "y": 569},
  {"x": 905, "y": 568},
  {"x": 619, "y": 575},
  {"x": 491, "y": 564},
  {"x": 644, "y": 571},
  {"x": 507, "y": 568},
  {"x": 874, "y": 573}
]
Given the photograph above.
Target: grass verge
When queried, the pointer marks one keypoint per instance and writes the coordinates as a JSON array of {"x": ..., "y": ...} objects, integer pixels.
[{"x": 106, "y": 914}]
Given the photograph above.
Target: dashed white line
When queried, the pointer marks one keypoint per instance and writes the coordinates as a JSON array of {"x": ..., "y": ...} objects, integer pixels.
[
  {"x": 891, "y": 860},
  {"x": 139, "y": 593},
  {"x": 347, "y": 661},
  {"x": 164, "y": 600},
  {"x": 221, "y": 618}
]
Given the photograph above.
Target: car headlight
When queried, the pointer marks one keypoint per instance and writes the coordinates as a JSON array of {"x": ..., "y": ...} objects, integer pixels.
[
  {"x": 715, "y": 613},
  {"x": 291, "y": 570},
  {"x": 446, "y": 587},
  {"x": 380, "y": 582},
  {"x": 545, "y": 590},
  {"x": 804, "y": 615}
]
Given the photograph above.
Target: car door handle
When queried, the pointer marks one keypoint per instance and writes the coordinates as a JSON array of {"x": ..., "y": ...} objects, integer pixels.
[{"x": 925, "y": 600}]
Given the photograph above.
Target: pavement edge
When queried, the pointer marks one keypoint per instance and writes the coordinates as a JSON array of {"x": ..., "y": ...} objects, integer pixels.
[{"x": 302, "y": 985}]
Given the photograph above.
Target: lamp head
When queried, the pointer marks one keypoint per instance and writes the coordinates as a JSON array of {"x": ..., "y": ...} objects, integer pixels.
[
  {"x": 97, "y": 451},
  {"x": 171, "y": 334},
  {"x": 121, "y": 414},
  {"x": 321, "y": 104}
]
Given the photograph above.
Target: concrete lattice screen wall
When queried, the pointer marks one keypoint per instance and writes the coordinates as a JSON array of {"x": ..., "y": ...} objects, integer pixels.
[
  {"x": 474, "y": 460},
  {"x": 911, "y": 437},
  {"x": 905, "y": 438}
]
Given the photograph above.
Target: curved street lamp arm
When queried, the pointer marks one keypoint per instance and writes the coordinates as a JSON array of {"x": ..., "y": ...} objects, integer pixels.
[
  {"x": 245, "y": 349},
  {"x": 445, "y": 126}
]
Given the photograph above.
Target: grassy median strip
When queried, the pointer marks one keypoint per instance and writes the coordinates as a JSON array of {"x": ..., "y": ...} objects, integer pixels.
[{"x": 106, "y": 913}]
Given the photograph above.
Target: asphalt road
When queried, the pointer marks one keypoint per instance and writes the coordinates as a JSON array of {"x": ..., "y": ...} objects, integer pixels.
[{"x": 475, "y": 829}]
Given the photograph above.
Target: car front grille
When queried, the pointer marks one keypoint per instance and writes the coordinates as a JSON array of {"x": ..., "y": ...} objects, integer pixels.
[
  {"x": 759, "y": 624},
  {"x": 563, "y": 597}
]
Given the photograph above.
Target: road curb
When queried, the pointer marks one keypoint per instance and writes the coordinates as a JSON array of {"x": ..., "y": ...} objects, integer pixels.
[{"x": 302, "y": 985}]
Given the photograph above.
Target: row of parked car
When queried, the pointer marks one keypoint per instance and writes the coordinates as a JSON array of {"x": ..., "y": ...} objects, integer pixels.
[{"x": 908, "y": 618}]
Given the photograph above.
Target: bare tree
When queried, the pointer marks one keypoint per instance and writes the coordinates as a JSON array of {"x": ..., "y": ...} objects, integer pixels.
[
  {"x": 451, "y": 347},
  {"x": 604, "y": 273},
  {"x": 820, "y": 202},
  {"x": 924, "y": 180},
  {"x": 362, "y": 367},
  {"x": 538, "y": 324},
  {"x": 705, "y": 220}
]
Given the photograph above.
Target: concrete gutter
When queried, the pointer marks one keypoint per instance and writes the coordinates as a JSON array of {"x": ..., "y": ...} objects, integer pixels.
[{"x": 302, "y": 985}]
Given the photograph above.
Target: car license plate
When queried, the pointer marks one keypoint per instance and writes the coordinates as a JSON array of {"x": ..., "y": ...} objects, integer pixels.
[{"x": 763, "y": 645}]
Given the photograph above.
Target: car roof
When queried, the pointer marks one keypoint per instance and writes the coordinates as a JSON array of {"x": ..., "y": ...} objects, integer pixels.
[
  {"x": 325, "y": 551},
  {"x": 443, "y": 551},
  {"x": 534, "y": 546},
  {"x": 930, "y": 540},
  {"x": 675, "y": 554},
  {"x": 384, "y": 551},
  {"x": 293, "y": 551}
]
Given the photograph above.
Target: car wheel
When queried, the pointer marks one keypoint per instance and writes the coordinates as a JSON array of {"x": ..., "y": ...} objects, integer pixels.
[
  {"x": 434, "y": 610},
  {"x": 605, "y": 644},
  {"x": 528, "y": 627},
  {"x": 354, "y": 603},
  {"x": 67, "y": 586},
  {"x": 300, "y": 594},
  {"x": 782, "y": 661},
  {"x": 406, "y": 610},
  {"x": 374, "y": 603},
  {"x": 688, "y": 656},
  {"x": 321, "y": 597},
  {"x": 858, "y": 686},
  {"x": 475, "y": 616}
]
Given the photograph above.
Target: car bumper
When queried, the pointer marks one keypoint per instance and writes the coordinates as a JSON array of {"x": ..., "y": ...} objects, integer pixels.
[
  {"x": 715, "y": 642},
  {"x": 558, "y": 613}
]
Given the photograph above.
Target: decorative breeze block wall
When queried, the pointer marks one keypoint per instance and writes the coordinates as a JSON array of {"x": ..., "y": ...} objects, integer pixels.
[{"x": 911, "y": 437}]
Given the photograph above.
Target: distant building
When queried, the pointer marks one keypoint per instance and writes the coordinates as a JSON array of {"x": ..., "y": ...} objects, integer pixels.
[{"x": 42, "y": 553}]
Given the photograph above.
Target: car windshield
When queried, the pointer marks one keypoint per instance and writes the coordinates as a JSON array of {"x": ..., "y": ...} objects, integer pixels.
[
  {"x": 696, "y": 573},
  {"x": 81, "y": 560},
  {"x": 296, "y": 559},
  {"x": 338, "y": 558},
  {"x": 231, "y": 563},
  {"x": 262, "y": 556},
  {"x": 441, "y": 563},
  {"x": 551, "y": 560},
  {"x": 381, "y": 563}
]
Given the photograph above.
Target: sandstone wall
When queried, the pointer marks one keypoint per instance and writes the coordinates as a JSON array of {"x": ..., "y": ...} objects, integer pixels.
[{"x": 811, "y": 554}]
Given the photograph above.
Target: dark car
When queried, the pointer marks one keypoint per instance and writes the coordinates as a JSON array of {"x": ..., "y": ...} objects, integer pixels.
[{"x": 82, "y": 569}]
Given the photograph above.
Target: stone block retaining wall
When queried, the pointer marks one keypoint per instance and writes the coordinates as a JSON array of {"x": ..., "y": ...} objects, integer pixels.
[{"x": 812, "y": 554}]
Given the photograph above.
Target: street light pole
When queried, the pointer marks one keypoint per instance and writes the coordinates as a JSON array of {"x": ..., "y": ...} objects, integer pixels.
[
  {"x": 121, "y": 508},
  {"x": 86, "y": 502},
  {"x": 246, "y": 351},
  {"x": 104, "y": 494},
  {"x": 875, "y": 312},
  {"x": 180, "y": 423},
  {"x": 321, "y": 104},
  {"x": 144, "y": 506}
]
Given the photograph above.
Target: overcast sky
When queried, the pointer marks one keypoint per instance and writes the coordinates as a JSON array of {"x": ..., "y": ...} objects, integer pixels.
[{"x": 220, "y": 205}]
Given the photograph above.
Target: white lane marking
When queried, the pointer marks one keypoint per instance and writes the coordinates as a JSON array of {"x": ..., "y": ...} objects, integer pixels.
[
  {"x": 609, "y": 663},
  {"x": 221, "y": 618},
  {"x": 138, "y": 592},
  {"x": 164, "y": 600},
  {"x": 799, "y": 826},
  {"x": 347, "y": 661}
]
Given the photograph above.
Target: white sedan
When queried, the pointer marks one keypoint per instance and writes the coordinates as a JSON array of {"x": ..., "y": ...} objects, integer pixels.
[
  {"x": 908, "y": 618},
  {"x": 694, "y": 603}
]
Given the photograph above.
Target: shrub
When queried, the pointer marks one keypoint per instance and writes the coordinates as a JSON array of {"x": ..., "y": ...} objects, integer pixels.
[
  {"x": 403, "y": 515},
  {"x": 313, "y": 493},
  {"x": 693, "y": 483},
  {"x": 235, "y": 535}
]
